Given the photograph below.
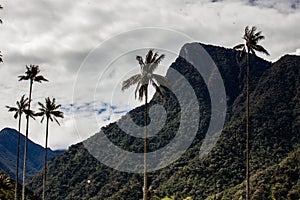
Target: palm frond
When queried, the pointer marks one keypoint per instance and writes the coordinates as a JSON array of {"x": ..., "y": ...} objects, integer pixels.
[
  {"x": 259, "y": 48},
  {"x": 243, "y": 53},
  {"x": 57, "y": 113},
  {"x": 137, "y": 89},
  {"x": 153, "y": 66},
  {"x": 142, "y": 91},
  {"x": 140, "y": 60},
  {"x": 39, "y": 114},
  {"x": 22, "y": 77},
  {"x": 41, "y": 105},
  {"x": 161, "y": 80},
  {"x": 16, "y": 115},
  {"x": 57, "y": 121},
  {"x": 149, "y": 56},
  {"x": 42, "y": 119},
  {"x": 159, "y": 59},
  {"x": 157, "y": 89},
  {"x": 239, "y": 47},
  {"x": 260, "y": 37},
  {"x": 131, "y": 81},
  {"x": 246, "y": 30},
  {"x": 154, "y": 57},
  {"x": 252, "y": 31},
  {"x": 11, "y": 109},
  {"x": 252, "y": 51},
  {"x": 58, "y": 106},
  {"x": 30, "y": 113},
  {"x": 40, "y": 79}
]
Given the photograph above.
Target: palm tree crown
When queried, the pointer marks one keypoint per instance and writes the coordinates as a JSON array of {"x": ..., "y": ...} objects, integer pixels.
[
  {"x": 32, "y": 74},
  {"x": 251, "y": 38},
  {"x": 50, "y": 110},
  {"x": 146, "y": 76},
  {"x": 21, "y": 107}
]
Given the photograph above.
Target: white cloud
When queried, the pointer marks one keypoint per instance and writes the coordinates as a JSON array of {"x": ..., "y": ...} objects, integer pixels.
[{"x": 58, "y": 35}]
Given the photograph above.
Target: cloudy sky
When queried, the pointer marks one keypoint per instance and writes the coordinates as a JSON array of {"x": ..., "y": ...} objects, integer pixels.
[{"x": 86, "y": 48}]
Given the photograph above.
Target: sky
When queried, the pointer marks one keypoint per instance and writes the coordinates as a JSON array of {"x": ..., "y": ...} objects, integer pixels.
[{"x": 87, "y": 48}]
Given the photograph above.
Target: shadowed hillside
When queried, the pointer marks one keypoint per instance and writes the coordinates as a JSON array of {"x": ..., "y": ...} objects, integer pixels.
[{"x": 8, "y": 154}]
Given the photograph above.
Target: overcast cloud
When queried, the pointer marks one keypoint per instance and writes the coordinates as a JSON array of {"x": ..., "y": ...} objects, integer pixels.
[{"x": 61, "y": 36}]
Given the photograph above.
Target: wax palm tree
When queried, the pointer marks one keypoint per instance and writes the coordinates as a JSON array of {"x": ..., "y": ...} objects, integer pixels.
[
  {"x": 32, "y": 76},
  {"x": 19, "y": 110},
  {"x": 251, "y": 38},
  {"x": 142, "y": 80},
  {"x": 50, "y": 112}
]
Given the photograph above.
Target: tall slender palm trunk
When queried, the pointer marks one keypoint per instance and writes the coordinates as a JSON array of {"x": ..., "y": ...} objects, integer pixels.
[
  {"x": 18, "y": 158},
  {"x": 45, "y": 159},
  {"x": 26, "y": 143},
  {"x": 247, "y": 129},
  {"x": 145, "y": 189}
]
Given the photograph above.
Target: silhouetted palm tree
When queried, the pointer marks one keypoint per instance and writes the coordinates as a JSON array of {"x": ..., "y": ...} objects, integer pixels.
[
  {"x": 50, "y": 111},
  {"x": 251, "y": 38},
  {"x": 32, "y": 75},
  {"x": 19, "y": 110},
  {"x": 142, "y": 80}
]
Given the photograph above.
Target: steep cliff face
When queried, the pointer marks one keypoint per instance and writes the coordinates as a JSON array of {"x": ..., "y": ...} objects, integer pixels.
[{"x": 274, "y": 106}]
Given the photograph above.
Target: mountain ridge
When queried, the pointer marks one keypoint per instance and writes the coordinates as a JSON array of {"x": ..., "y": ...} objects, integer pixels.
[
  {"x": 8, "y": 154},
  {"x": 224, "y": 167}
]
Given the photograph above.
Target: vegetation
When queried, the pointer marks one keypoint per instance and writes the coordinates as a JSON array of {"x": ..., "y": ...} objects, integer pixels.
[
  {"x": 19, "y": 110},
  {"x": 142, "y": 81},
  {"x": 32, "y": 76},
  {"x": 280, "y": 181},
  {"x": 275, "y": 90},
  {"x": 251, "y": 38},
  {"x": 7, "y": 188},
  {"x": 51, "y": 112}
]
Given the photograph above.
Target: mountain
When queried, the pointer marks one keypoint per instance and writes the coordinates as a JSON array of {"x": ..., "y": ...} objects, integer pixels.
[
  {"x": 280, "y": 181},
  {"x": 7, "y": 189},
  {"x": 275, "y": 121},
  {"x": 8, "y": 154}
]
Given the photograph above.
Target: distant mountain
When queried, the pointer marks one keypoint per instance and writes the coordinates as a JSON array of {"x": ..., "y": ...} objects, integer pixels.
[
  {"x": 8, "y": 154},
  {"x": 275, "y": 125}
]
